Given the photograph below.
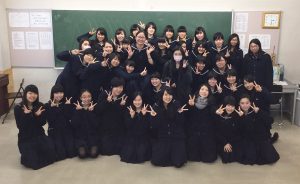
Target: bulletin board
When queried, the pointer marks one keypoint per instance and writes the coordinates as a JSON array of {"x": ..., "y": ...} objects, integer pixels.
[
  {"x": 30, "y": 38},
  {"x": 248, "y": 25}
]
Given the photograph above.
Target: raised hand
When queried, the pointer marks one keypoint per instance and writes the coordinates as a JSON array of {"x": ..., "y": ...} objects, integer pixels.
[
  {"x": 150, "y": 49},
  {"x": 239, "y": 112},
  {"x": 220, "y": 110},
  {"x": 186, "y": 53},
  {"x": 196, "y": 71},
  {"x": 119, "y": 48},
  {"x": 194, "y": 42},
  {"x": 92, "y": 32},
  {"x": 123, "y": 100},
  {"x": 144, "y": 72},
  {"x": 109, "y": 96},
  {"x": 191, "y": 100},
  {"x": 256, "y": 109},
  {"x": 141, "y": 25},
  {"x": 26, "y": 110},
  {"x": 78, "y": 106},
  {"x": 229, "y": 66},
  {"x": 104, "y": 63},
  {"x": 76, "y": 52},
  {"x": 219, "y": 88},
  {"x": 182, "y": 109},
  {"x": 68, "y": 101},
  {"x": 233, "y": 87},
  {"x": 167, "y": 44},
  {"x": 144, "y": 109},
  {"x": 131, "y": 111},
  {"x": 205, "y": 53},
  {"x": 184, "y": 64},
  {"x": 227, "y": 54},
  {"x": 257, "y": 87},
  {"x": 92, "y": 106},
  {"x": 130, "y": 52},
  {"x": 114, "y": 41},
  {"x": 39, "y": 111},
  {"x": 152, "y": 112}
]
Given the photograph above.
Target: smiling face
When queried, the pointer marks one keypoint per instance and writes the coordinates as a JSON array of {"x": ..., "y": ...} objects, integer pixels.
[
  {"x": 108, "y": 48},
  {"x": 31, "y": 96},
  {"x": 57, "y": 97},
  {"x": 229, "y": 108},
  {"x": 88, "y": 58},
  {"x": 151, "y": 30},
  {"x": 169, "y": 34},
  {"x": 116, "y": 91},
  {"x": 138, "y": 101},
  {"x": 200, "y": 36},
  {"x": 248, "y": 85},
  {"x": 219, "y": 42},
  {"x": 85, "y": 45},
  {"x": 200, "y": 65},
  {"x": 201, "y": 49},
  {"x": 167, "y": 98},
  {"x": 212, "y": 82},
  {"x": 204, "y": 91},
  {"x": 234, "y": 41},
  {"x": 86, "y": 98},
  {"x": 120, "y": 36},
  {"x": 155, "y": 82},
  {"x": 140, "y": 38},
  {"x": 245, "y": 104},
  {"x": 100, "y": 37},
  {"x": 182, "y": 35},
  {"x": 221, "y": 63},
  {"x": 231, "y": 79},
  {"x": 115, "y": 62}
]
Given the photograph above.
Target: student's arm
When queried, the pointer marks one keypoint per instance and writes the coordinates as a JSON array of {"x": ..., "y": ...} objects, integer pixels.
[
  {"x": 83, "y": 36},
  {"x": 22, "y": 119},
  {"x": 126, "y": 76},
  {"x": 65, "y": 55}
]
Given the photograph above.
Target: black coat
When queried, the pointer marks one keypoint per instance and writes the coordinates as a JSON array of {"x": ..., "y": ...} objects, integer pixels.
[{"x": 236, "y": 60}]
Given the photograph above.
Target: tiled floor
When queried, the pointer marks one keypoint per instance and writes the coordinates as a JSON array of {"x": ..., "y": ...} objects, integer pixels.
[{"x": 110, "y": 170}]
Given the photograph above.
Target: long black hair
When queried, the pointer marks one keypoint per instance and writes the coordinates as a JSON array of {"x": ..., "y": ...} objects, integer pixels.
[
  {"x": 233, "y": 35},
  {"x": 169, "y": 28},
  {"x": 136, "y": 94},
  {"x": 257, "y": 42},
  {"x": 119, "y": 31},
  {"x": 154, "y": 27},
  {"x": 34, "y": 89},
  {"x": 102, "y": 31},
  {"x": 198, "y": 30}
]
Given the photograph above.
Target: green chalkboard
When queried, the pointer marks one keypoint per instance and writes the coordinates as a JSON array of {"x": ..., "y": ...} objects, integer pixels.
[{"x": 68, "y": 24}]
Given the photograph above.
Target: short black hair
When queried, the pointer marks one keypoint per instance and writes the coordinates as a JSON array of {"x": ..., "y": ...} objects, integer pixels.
[{"x": 218, "y": 35}]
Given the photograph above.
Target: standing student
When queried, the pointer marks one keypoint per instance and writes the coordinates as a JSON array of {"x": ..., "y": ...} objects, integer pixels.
[
  {"x": 182, "y": 36},
  {"x": 228, "y": 131},
  {"x": 134, "y": 28},
  {"x": 58, "y": 115},
  {"x": 258, "y": 64},
  {"x": 200, "y": 73},
  {"x": 110, "y": 109},
  {"x": 256, "y": 146},
  {"x": 150, "y": 30},
  {"x": 164, "y": 54},
  {"x": 178, "y": 73},
  {"x": 200, "y": 35},
  {"x": 218, "y": 47},
  {"x": 169, "y": 35},
  {"x": 120, "y": 35},
  {"x": 136, "y": 147},
  {"x": 215, "y": 87},
  {"x": 235, "y": 55},
  {"x": 200, "y": 48},
  {"x": 85, "y": 124},
  {"x": 167, "y": 118},
  {"x": 232, "y": 87},
  {"x": 201, "y": 142},
  {"x": 221, "y": 68},
  {"x": 36, "y": 149}
]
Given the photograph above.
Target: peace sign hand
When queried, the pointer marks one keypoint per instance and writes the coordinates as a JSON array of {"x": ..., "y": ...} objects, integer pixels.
[
  {"x": 131, "y": 111},
  {"x": 144, "y": 109},
  {"x": 92, "y": 106},
  {"x": 76, "y": 52},
  {"x": 78, "y": 106},
  {"x": 152, "y": 112},
  {"x": 141, "y": 25},
  {"x": 92, "y": 32},
  {"x": 220, "y": 110},
  {"x": 123, "y": 100},
  {"x": 167, "y": 44},
  {"x": 182, "y": 109},
  {"x": 256, "y": 109},
  {"x": 196, "y": 71},
  {"x": 109, "y": 96},
  {"x": 130, "y": 52},
  {"x": 205, "y": 53},
  {"x": 257, "y": 87},
  {"x": 239, "y": 112},
  {"x": 229, "y": 66},
  {"x": 184, "y": 64},
  {"x": 219, "y": 88},
  {"x": 150, "y": 49},
  {"x": 39, "y": 111},
  {"x": 191, "y": 100},
  {"x": 104, "y": 63},
  {"x": 26, "y": 110},
  {"x": 144, "y": 72},
  {"x": 68, "y": 101},
  {"x": 233, "y": 87}
]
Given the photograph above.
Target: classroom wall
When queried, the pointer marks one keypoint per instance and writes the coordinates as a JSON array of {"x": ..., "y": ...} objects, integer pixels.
[
  {"x": 4, "y": 48},
  {"x": 289, "y": 28}
]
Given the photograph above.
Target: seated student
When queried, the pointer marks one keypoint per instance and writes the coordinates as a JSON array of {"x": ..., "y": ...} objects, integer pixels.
[
  {"x": 182, "y": 36},
  {"x": 163, "y": 54},
  {"x": 200, "y": 48},
  {"x": 179, "y": 75},
  {"x": 110, "y": 109},
  {"x": 136, "y": 147},
  {"x": 232, "y": 87},
  {"x": 98, "y": 43},
  {"x": 36, "y": 149},
  {"x": 218, "y": 48},
  {"x": 228, "y": 131},
  {"x": 234, "y": 55},
  {"x": 154, "y": 91},
  {"x": 167, "y": 118},
  {"x": 256, "y": 147},
  {"x": 85, "y": 124},
  {"x": 58, "y": 115},
  {"x": 261, "y": 97},
  {"x": 69, "y": 78},
  {"x": 221, "y": 68},
  {"x": 200, "y": 73},
  {"x": 216, "y": 89},
  {"x": 150, "y": 30},
  {"x": 201, "y": 142},
  {"x": 134, "y": 28}
]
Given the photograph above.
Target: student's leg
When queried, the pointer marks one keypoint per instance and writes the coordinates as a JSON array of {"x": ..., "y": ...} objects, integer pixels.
[
  {"x": 94, "y": 152},
  {"x": 29, "y": 156},
  {"x": 209, "y": 148},
  {"x": 161, "y": 150},
  {"x": 46, "y": 148},
  {"x": 178, "y": 153}
]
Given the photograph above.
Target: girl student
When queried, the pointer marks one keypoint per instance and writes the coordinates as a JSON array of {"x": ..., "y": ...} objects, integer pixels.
[
  {"x": 182, "y": 36},
  {"x": 36, "y": 149},
  {"x": 98, "y": 42},
  {"x": 200, "y": 35},
  {"x": 256, "y": 147},
  {"x": 201, "y": 142},
  {"x": 58, "y": 115},
  {"x": 235, "y": 54},
  {"x": 150, "y": 30},
  {"x": 85, "y": 124},
  {"x": 108, "y": 48},
  {"x": 178, "y": 74},
  {"x": 200, "y": 48},
  {"x": 228, "y": 133},
  {"x": 169, "y": 35},
  {"x": 110, "y": 109},
  {"x": 156, "y": 86},
  {"x": 258, "y": 64},
  {"x": 232, "y": 87},
  {"x": 215, "y": 87},
  {"x": 167, "y": 118},
  {"x": 218, "y": 47},
  {"x": 200, "y": 73},
  {"x": 221, "y": 68},
  {"x": 136, "y": 147},
  {"x": 134, "y": 28},
  {"x": 69, "y": 78},
  {"x": 164, "y": 54},
  {"x": 120, "y": 35}
]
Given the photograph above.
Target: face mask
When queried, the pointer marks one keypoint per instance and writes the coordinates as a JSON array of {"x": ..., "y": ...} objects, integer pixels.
[
  {"x": 86, "y": 47},
  {"x": 177, "y": 58}
]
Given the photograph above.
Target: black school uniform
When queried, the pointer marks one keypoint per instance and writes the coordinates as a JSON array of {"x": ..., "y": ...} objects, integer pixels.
[
  {"x": 69, "y": 78},
  {"x": 95, "y": 44},
  {"x": 213, "y": 52},
  {"x": 136, "y": 147},
  {"x": 228, "y": 132},
  {"x": 151, "y": 95},
  {"x": 221, "y": 76},
  {"x": 169, "y": 149},
  {"x": 199, "y": 79},
  {"x": 182, "y": 77},
  {"x": 112, "y": 128},
  {"x": 85, "y": 125},
  {"x": 153, "y": 41},
  {"x": 260, "y": 67},
  {"x": 256, "y": 147},
  {"x": 236, "y": 60},
  {"x": 218, "y": 96},
  {"x": 201, "y": 141},
  {"x": 236, "y": 94},
  {"x": 162, "y": 59},
  {"x": 37, "y": 150},
  {"x": 60, "y": 130}
]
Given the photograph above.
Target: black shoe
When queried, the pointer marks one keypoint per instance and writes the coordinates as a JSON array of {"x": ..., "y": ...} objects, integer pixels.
[{"x": 274, "y": 138}]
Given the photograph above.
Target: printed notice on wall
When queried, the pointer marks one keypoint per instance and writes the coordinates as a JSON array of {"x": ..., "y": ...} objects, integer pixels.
[
  {"x": 40, "y": 19},
  {"x": 46, "y": 42},
  {"x": 241, "y": 22},
  {"x": 32, "y": 40},
  {"x": 265, "y": 40},
  {"x": 18, "y": 40},
  {"x": 18, "y": 19}
]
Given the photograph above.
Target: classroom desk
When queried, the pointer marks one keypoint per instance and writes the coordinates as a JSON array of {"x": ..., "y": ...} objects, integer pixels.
[
  {"x": 289, "y": 93},
  {"x": 3, "y": 93}
]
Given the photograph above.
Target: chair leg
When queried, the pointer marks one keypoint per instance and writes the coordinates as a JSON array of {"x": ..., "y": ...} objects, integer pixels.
[{"x": 281, "y": 113}]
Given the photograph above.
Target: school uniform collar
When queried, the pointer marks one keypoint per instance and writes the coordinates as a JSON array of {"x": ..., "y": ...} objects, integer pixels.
[
  {"x": 226, "y": 117},
  {"x": 249, "y": 113},
  {"x": 135, "y": 48},
  {"x": 222, "y": 48},
  {"x": 201, "y": 73},
  {"x": 238, "y": 86},
  {"x": 218, "y": 71},
  {"x": 82, "y": 62}
]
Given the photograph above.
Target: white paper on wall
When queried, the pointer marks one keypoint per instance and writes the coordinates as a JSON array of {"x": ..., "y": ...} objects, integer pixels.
[
  {"x": 18, "y": 40},
  {"x": 32, "y": 40},
  {"x": 241, "y": 22},
  {"x": 40, "y": 19},
  {"x": 265, "y": 40},
  {"x": 46, "y": 40},
  {"x": 18, "y": 19}
]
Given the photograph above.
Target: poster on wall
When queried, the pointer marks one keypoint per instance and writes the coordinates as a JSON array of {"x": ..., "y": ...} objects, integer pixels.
[
  {"x": 18, "y": 40},
  {"x": 18, "y": 19},
  {"x": 40, "y": 19}
]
